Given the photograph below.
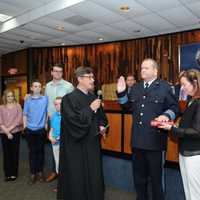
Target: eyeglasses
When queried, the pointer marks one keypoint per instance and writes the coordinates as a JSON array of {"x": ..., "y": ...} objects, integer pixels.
[
  {"x": 58, "y": 71},
  {"x": 90, "y": 77}
]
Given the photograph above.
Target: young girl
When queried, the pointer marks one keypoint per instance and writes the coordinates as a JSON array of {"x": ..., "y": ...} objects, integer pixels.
[{"x": 10, "y": 129}]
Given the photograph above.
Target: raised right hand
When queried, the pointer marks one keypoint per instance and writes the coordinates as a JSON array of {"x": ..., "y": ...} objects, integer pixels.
[{"x": 121, "y": 84}]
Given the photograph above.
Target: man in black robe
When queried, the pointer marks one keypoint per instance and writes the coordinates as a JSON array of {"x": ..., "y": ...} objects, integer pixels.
[{"x": 82, "y": 121}]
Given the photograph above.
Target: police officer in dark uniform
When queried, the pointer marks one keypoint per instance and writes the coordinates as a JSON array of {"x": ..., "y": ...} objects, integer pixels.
[{"x": 150, "y": 99}]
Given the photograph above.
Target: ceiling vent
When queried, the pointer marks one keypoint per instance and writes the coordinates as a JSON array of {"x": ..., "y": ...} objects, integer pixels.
[{"x": 78, "y": 20}]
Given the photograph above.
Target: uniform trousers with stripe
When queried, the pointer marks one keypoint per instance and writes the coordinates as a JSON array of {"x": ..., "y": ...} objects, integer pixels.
[{"x": 148, "y": 166}]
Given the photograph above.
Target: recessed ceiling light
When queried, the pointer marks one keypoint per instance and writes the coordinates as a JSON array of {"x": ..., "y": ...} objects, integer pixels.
[
  {"x": 100, "y": 39},
  {"x": 60, "y": 28},
  {"x": 124, "y": 8},
  {"x": 3, "y": 17},
  {"x": 137, "y": 31}
]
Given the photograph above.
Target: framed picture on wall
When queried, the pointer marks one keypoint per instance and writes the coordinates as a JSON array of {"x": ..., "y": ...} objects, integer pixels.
[{"x": 189, "y": 56}]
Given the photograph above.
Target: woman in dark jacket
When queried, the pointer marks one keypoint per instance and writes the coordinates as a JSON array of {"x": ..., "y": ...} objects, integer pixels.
[{"x": 188, "y": 133}]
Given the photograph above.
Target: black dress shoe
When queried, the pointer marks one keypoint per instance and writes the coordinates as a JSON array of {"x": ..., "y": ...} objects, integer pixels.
[
  {"x": 7, "y": 179},
  {"x": 13, "y": 178}
]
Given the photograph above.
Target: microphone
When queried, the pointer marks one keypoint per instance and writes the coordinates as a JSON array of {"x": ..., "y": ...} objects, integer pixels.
[{"x": 99, "y": 94}]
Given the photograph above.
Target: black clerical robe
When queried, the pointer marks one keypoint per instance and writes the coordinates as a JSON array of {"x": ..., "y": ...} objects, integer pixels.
[{"x": 80, "y": 172}]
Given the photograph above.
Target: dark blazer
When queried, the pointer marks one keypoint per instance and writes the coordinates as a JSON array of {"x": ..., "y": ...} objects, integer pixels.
[
  {"x": 189, "y": 130},
  {"x": 146, "y": 105}
]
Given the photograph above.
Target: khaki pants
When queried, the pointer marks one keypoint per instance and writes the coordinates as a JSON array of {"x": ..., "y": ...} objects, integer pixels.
[{"x": 56, "y": 151}]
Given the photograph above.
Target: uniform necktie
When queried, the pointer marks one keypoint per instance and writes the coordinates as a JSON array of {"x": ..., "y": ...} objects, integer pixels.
[{"x": 146, "y": 86}]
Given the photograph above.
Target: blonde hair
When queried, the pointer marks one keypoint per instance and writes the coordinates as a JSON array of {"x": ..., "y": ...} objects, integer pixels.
[
  {"x": 4, "y": 97},
  {"x": 58, "y": 98}
]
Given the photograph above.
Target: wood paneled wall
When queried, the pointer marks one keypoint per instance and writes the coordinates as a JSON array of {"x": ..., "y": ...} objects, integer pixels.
[{"x": 110, "y": 60}]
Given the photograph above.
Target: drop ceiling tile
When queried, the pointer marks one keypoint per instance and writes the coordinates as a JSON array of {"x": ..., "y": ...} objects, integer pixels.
[
  {"x": 61, "y": 14},
  {"x": 8, "y": 41},
  {"x": 8, "y": 9},
  {"x": 43, "y": 30},
  {"x": 136, "y": 9},
  {"x": 195, "y": 8},
  {"x": 24, "y": 3},
  {"x": 154, "y": 22},
  {"x": 6, "y": 46},
  {"x": 145, "y": 18},
  {"x": 91, "y": 26},
  {"x": 188, "y": 1},
  {"x": 131, "y": 27},
  {"x": 16, "y": 37},
  {"x": 109, "y": 31},
  {"x": 4, "y": 50},
  {"x": 95, "y": 12},
  {"x": 17, "y": 7},
  {"x": 89, "y": 35},
  {"x": 43, "y": 44},
  {"x": 30, "y": 34},
  {"x": 69, "y": 39},
  {"x": 189, "y": 27},
  {"x": 158, "y": 5},
  {"x": 73, "y": 38},
  {"x": 53, "y": 23},
  {"x": 179, "y": 16}
]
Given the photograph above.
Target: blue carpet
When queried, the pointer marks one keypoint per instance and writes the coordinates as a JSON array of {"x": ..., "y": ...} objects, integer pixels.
[{"x": 118, "y": 173}]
